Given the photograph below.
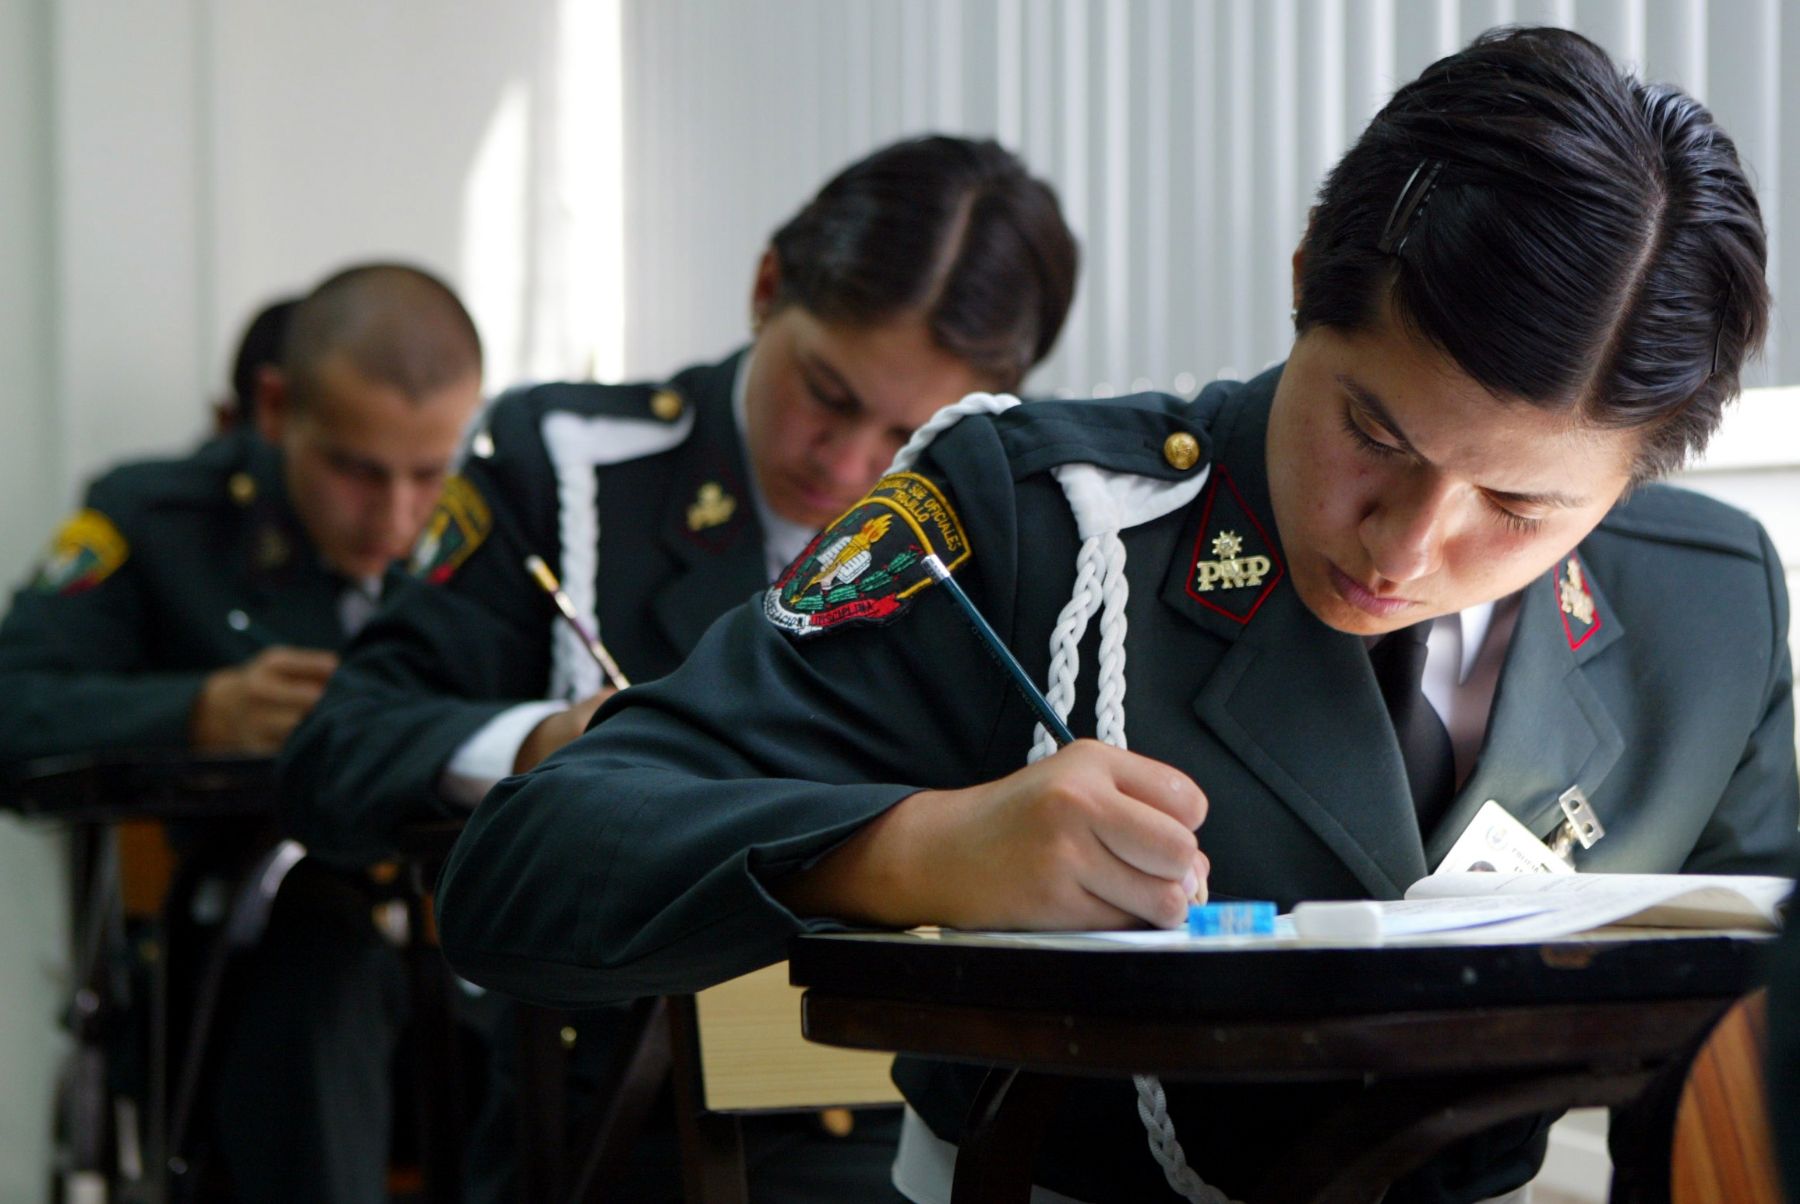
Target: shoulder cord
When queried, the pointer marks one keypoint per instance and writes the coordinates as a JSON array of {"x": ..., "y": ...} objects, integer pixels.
[
  {"x": 573, "y": 673},
  {"x": 1153, "y": 1110},
  {"x": 1099, "y": 584},
  {"x": 578, "y": 446},
  {"x": 944, "y": 419},
  {"x": 1100, "y": 580}
]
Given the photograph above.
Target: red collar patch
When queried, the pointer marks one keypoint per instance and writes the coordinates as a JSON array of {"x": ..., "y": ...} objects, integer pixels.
[
  {"x": 1580, "y": 614},
  {"x": 1234, "y": 565}
]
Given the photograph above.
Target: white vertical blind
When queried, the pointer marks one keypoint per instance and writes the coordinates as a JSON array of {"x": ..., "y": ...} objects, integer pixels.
[{"x": 1186, "y": 138}]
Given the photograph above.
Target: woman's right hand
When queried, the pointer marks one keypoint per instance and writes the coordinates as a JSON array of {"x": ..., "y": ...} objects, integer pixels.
[{"x": 1093, "y": 837}]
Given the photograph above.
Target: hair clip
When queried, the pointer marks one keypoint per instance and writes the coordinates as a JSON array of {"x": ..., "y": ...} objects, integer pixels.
[
  {"x": 1719, "y": 330},
  {"x": 1408, "y": 205}
]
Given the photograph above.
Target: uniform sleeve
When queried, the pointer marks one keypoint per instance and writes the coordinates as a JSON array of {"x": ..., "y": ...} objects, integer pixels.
[
  {"x": 436, "y": 664},
  {"x": 73, "y": 661},
  {"x": 1753, "y": 828},
  {"x": 639, "y": 859}
]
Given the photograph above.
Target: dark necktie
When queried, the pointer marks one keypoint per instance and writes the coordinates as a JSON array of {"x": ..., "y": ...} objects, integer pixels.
[{"x": 1399, "y": 664}]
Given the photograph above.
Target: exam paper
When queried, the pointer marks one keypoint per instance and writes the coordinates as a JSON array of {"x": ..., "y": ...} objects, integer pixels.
[
  {"x": 1563, "y": 904},
  {"x": 1483, "y": 908}
]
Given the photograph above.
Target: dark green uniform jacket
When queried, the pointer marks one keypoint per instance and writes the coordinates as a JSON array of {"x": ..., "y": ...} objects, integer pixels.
[
  {"x": 175, "y": 569},
  {"x": 108, "y": 646},
  {"x": 637, "y": 860},
  {"x": 651, "y": 478},
  {"x": 637, "y": 497}
]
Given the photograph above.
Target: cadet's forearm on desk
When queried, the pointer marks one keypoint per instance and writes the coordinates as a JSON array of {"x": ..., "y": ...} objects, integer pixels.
[
  {"x": 875, "y": 876},
  {"x": 1093, "y": 837}
]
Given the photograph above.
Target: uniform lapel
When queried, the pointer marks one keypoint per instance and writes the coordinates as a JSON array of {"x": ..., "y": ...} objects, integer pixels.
[
  {"x": 710, "y": 528},
  {"x": 1292, "y": 699},
  {"x": 284, "y": 590},
  {"x": 1550, "y": 729}
]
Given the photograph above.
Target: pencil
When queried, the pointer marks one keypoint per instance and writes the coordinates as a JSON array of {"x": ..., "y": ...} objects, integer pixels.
[
  {"x": 540, "y": 573},
  {"x": 1059, "y": 731},
  {"x": 996, "y": 648}
]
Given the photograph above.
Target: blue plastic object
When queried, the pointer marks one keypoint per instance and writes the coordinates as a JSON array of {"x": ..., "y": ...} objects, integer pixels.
[{"x": 1231, "y": 919}]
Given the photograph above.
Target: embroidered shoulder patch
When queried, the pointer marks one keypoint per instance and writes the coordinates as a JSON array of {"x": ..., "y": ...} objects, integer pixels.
[
  {"x": 86, "y": 550},
  {"x": 458, "y": 525},
  {"x": 1235, "y": 565},
  {"x": 866, "y": 565},
  {"x": 1580, "y": 617}
]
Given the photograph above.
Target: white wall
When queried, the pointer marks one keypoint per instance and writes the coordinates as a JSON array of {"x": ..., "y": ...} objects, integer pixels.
[
  {"x": 1185, "y": 138},
  {"x": 211, "y": 156},
  {"x": 32, "y": 936},
  {"x": 164, "y": 168}
]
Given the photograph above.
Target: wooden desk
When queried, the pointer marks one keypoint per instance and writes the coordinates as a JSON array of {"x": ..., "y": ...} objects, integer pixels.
[
  {"x": 164, "y": 784},
  {"x": 1452, "y": 1039}
]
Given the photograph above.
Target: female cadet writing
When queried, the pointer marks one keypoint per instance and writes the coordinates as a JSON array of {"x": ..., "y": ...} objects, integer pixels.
[
  {"x": 929, "y": 268},
  {"x": 1527, "y": 290}
]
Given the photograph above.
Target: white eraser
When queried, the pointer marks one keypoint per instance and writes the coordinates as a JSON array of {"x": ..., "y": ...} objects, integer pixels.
[{"x": 1352, "y": 920}]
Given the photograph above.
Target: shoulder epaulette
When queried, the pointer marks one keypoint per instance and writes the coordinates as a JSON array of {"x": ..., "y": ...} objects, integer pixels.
[
  {"x": 869, "y": 564},
  {"x": 523, "y": 412},
  {"x": 201, "y": 479},
  {"x": 1667, "y": 514},
  {"x": 1147, "y": 434},
  {"x": 588, "y": 399}
]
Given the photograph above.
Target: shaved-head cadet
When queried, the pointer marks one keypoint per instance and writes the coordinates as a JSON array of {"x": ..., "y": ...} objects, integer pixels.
[{"x": 200, "y": 603}]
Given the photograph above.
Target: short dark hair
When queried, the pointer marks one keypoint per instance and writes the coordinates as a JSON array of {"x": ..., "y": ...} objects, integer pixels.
[
  {"x": 1572, "y": 237},
  {"x": 954, "y": 228},
  {"x": 396, "y": 324}
]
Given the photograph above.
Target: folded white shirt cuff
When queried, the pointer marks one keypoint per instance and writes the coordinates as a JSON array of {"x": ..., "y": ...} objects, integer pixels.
[{"x": 488, "y": 755}]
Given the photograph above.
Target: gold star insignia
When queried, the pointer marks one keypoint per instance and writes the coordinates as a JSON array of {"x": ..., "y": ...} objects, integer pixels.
[{"x": 710, "y": 507}]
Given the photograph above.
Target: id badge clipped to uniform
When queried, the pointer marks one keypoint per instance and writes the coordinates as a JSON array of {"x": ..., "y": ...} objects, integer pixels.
[{"x": 1496, "y": 843}]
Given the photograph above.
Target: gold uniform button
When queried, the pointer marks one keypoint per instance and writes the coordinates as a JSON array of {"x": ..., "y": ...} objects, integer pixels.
[
  {"x": 667, "y": 405},
  {"x": 242, "y": 487},
  {"x": 1181, "y": 450}
]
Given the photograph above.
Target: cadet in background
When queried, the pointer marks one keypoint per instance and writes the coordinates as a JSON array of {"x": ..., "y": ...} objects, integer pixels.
[
  {"x": 201, "y": 603},
  {"x": 931, "y": 268}
]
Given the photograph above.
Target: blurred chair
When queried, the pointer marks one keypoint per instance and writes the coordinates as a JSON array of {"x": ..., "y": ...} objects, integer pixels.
[
  {"x": 730, "y": 1051},
  {"x": 1723, "y": 1153}
]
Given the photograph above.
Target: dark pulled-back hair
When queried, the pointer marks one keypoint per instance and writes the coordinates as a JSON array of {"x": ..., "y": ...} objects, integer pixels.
[
  {"x": 1567, "y": 234},
  {"x": 396, "y": 324},
  {"x": 954, "y": 229},
  {"x": 259, "y": 347}
]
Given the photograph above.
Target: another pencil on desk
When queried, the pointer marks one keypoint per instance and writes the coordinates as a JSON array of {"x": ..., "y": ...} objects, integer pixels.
[{"x": 540, "y": 572}]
